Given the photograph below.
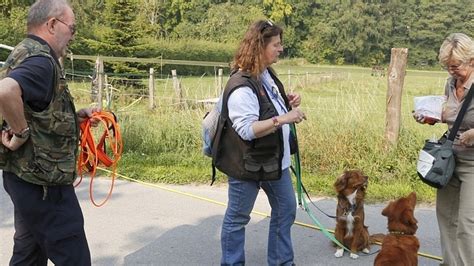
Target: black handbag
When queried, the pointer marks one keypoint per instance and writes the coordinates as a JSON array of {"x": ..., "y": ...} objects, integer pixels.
[{"x": 436, "y": 162}]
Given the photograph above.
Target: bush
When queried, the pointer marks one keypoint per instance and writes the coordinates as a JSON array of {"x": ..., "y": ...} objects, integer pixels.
[{"x": 183, "y": 49}]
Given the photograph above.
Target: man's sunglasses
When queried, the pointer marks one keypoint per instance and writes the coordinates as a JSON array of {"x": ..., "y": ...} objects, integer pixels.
[{"x": 72, "y": 28}]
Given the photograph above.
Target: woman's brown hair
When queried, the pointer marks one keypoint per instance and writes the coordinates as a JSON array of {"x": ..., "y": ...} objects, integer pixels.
[{"x": 249, "y": 56}]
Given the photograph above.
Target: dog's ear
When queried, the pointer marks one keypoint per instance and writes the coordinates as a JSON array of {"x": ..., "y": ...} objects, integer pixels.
[{"x": 341, "y": 182}]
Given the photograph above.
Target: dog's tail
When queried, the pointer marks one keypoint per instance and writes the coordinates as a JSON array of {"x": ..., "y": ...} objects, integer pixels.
[{"x": 376, "y": 238}]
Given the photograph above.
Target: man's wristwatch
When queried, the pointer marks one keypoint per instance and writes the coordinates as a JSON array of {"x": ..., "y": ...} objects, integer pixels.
[{"x": 23, "y": 134}]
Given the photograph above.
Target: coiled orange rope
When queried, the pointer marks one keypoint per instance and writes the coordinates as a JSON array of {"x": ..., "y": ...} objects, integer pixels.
[{"x": 92, "y": 155}]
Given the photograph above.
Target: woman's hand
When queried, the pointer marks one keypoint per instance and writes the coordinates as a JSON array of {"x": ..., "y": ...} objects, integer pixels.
[
  {"x": 294, "y": 99},
  {"x": 467, "y": 137},
  {"x": 293, "y": 116},
  {"x": 423, "y": 119}
]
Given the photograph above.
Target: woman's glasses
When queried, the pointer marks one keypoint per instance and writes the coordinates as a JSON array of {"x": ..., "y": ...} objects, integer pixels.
[{"x": 454, "y": 67}]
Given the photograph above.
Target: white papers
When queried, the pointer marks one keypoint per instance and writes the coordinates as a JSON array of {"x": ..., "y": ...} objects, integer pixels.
[
  {"x": 430, "y": 106},
  {"x": 425, "y": 161}
]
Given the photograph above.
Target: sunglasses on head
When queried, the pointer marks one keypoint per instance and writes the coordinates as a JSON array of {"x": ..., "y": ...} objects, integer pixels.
[{"x": 267, "y": 25}]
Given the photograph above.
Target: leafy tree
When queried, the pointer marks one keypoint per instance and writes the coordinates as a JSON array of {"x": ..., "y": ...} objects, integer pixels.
[
  {"x": 118, "y": 34},
  {"x": 12, "y": 26},
  {"x": 222, "y": 23},
  {"x": 355, "y": 32},
  {"x": 151, "y": 18},
  {"x": 277, "y": 9}
]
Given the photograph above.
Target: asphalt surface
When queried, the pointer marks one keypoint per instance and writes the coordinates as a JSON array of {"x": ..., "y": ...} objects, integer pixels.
[{"x": 180, "y": 225}]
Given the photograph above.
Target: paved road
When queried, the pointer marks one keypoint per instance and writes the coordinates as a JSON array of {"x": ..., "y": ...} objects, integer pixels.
[{"x": 180, "y": 225}]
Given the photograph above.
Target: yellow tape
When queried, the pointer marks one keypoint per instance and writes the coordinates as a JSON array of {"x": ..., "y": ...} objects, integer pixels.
[{"x": 429, "y": 256}]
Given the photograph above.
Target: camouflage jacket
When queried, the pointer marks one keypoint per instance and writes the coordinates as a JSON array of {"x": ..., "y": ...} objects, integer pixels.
[{"x": 48, "y": 157}]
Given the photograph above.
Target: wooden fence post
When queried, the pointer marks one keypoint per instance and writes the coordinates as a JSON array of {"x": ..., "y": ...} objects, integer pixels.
[
  {"x": 396, "y": 77},
  {"x": 100, "y": 82},
  {"x": 151, "y": 89},
  {"x": 220, "y": 81},
  {"x": 176, "y": 85}
]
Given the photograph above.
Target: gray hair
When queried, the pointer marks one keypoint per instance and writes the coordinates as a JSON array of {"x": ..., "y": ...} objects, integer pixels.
[
  {"x": 42, "y": 10},
  {"x": 457, "y": 46}
]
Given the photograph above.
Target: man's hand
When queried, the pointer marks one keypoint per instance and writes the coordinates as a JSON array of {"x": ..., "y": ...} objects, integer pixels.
[
  {"x": 85, "y": 113},
  {"x": 467, "y": 137},
  {"x": 11, "y": 141}
]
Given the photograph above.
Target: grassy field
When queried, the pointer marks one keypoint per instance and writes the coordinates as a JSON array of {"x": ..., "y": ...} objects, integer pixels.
[{"x": 345, "y": 107}]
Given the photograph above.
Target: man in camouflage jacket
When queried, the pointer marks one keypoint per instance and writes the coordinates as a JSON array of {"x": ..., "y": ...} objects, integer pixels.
[{"x": 39, "y": 142}]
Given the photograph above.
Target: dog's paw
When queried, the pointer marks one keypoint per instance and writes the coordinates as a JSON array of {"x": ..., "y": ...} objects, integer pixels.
[
  {"x": 366, "y": 250},
  {"x": 339, "y": 253},
  {"x": 354, "y": 256}
]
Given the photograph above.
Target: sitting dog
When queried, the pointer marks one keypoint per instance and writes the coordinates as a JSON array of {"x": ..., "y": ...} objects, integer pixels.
[
  {"x": 400, "y": 246},
  {"x": 350, "y": 229}
]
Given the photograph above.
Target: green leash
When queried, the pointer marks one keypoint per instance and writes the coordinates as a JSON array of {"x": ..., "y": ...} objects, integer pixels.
[{"x": 300, "y": 195}]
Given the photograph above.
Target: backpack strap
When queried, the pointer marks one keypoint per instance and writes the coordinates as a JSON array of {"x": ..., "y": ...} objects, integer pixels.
[{"x": 213, "y": 178}]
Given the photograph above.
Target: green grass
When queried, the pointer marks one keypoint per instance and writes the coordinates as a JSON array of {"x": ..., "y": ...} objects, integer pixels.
[{"x": 345, "y": 129}]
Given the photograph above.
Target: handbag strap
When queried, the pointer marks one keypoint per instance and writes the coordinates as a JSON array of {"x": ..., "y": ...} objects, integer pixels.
[{"x": 457, "y": 122}]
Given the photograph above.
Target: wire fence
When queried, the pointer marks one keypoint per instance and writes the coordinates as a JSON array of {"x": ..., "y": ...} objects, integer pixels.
[
  {"x": 322, "y": 91},
  {"x": 193, "y": 89},
  {"x": 360, "y": 93}
]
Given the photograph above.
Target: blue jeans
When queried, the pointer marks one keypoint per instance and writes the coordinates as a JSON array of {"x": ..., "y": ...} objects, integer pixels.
[{"x": 242, "y": 195}]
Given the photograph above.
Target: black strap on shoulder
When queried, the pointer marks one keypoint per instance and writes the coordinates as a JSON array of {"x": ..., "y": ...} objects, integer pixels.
[{"x": 462, "y": 112}]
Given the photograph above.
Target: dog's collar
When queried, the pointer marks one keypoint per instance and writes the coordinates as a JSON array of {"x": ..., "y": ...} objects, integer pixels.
[
  {"x": 398, "y": 233},
  {"x": 351, "y": 209}
]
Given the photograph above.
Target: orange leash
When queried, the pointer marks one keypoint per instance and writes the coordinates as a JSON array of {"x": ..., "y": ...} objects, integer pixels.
[{"x": 91, "y": 155}]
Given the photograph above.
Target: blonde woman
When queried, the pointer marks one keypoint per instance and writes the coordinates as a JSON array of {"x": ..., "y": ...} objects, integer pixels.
[{"x": 455, "y": 202}]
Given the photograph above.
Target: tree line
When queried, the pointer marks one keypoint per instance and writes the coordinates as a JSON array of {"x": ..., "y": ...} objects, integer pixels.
[{"x": 327, "y": 32}]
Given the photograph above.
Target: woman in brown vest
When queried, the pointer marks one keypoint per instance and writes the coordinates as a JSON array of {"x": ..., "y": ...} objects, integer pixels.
[{"x": 259, "y": 112}]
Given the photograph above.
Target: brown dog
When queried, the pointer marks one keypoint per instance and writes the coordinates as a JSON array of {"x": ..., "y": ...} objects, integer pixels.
[
  {"x": 350, "y": 228},
  {"x": 400, "y": 246}
]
